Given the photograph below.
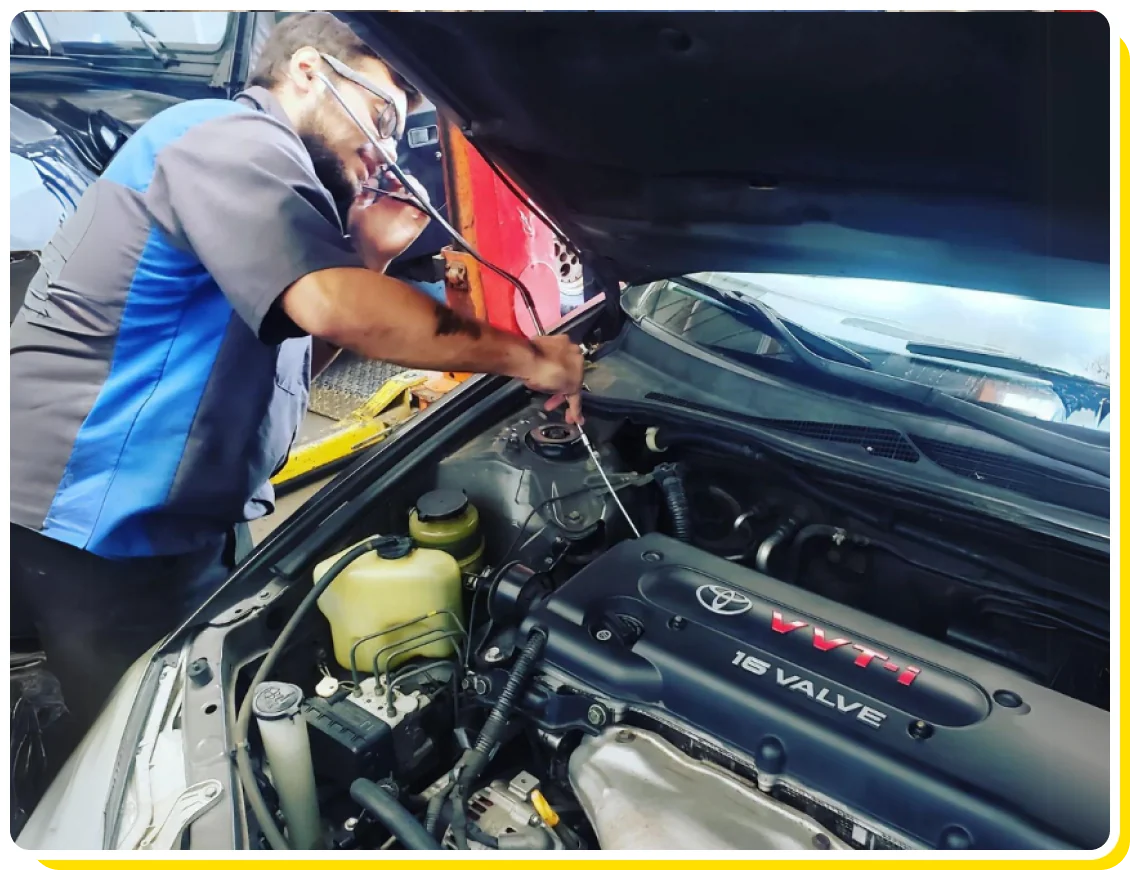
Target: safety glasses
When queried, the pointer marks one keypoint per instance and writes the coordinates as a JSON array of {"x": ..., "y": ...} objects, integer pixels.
[{"x": 387, "y": 120}]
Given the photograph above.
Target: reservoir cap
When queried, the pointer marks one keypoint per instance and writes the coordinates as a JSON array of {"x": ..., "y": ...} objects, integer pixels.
[
  {"x": 394, "y": 547},
  {"x": 276, "y": 701},
  {"x": 441, "y": 504}
]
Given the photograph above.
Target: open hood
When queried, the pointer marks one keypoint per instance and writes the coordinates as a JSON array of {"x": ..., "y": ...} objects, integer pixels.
[{"x": 961, "y": 149}]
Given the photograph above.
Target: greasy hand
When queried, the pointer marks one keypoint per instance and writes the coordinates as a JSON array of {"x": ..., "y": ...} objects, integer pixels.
[
  {"x": 382, "y": 227},
  {"x": 558, "y": 370}
]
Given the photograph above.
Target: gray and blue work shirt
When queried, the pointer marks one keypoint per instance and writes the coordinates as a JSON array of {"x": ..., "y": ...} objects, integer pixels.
[{"x": 152, "y": 396}]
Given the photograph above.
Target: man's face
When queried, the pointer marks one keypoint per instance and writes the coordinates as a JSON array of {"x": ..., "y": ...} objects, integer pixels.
[{"x": 343, "y": 157}]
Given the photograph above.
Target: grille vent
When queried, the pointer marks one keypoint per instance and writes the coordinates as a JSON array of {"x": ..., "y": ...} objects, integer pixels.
[{"x": 884, "y": 443}]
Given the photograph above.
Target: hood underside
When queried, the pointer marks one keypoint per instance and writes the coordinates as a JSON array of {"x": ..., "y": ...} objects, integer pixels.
[{"x": 962, "y": 149}]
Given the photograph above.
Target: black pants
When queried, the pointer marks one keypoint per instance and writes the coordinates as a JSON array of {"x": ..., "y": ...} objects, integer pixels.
[{"x": 95, "y": 617}]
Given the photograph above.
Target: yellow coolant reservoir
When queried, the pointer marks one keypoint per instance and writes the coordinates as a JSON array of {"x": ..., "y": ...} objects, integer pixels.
[{"x": 382, "y": 593}]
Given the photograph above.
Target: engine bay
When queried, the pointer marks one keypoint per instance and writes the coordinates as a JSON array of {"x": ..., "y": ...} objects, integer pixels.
[{"x": 777, "y": 661}]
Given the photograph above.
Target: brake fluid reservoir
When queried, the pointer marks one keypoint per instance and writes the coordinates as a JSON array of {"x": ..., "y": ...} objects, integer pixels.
[
  {"x": 446, "y": 520},
  {"x": 382, "y": 593}
]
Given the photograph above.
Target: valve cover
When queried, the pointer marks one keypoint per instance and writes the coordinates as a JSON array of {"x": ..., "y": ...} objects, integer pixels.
[{"x": 941, "y": 747}]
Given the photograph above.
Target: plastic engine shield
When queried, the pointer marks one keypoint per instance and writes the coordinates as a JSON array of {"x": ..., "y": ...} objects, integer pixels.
[{"x": 948, "y": 749}]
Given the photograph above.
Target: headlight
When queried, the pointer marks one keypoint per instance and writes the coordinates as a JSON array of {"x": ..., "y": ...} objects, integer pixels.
[
  {"x": 71, "y": 813},
  {"x": 1035, "y": 401}
]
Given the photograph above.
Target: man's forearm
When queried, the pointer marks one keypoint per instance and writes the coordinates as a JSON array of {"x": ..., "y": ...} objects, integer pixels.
[
  {"x": 324, "y": 352},
  {"x": 382, "y": 318}
]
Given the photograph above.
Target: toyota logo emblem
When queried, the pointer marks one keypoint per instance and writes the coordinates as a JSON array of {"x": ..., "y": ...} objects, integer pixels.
[{"x": 723, "y": 600}]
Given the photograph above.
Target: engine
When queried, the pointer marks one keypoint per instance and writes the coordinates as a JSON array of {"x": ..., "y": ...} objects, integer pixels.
[
  {"x": 769, "y": 665},
  {"x": 684, "y": 668}
]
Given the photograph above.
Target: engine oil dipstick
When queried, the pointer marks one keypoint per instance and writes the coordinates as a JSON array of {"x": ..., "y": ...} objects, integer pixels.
[
  {"x": 544, "y": 810},
  {"x": 607, "y": 482}
]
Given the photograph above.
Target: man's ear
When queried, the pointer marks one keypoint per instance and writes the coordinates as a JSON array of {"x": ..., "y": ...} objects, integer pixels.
[{"x": 304, "y": 63}]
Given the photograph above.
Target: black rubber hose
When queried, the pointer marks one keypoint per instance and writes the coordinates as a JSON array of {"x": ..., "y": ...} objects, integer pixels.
[
  {"x": 477, "y": 834},
  {"x": 771, "y": 543},
  {"x": 664, "y": 440},
  {"x": 388, "y": 811},
  {"x": 807, "y": 534},
  {"x": 459, "y": 817},
  {"x": 499, "y": 716},
  {"x": 475, "y": 759},
  {"x": 569, "y": 837},
  {"x": 435, "y": 807},
  {"x": 259, "y": 808},
  {"x": 670, "y": 480}
]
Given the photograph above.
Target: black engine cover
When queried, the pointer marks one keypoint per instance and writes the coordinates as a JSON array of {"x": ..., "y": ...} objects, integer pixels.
[{"x": 950, "y": 750}]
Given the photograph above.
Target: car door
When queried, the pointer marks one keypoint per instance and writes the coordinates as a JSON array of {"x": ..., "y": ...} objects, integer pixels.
[
  {"x": 82, "y": 82},
  {"x": 187, "y": 54}
]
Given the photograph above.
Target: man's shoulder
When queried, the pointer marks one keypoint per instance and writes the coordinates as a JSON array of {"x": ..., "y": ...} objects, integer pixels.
[
  {"x": 213, "y": 131},
  {"x": 214, "y": 116}
]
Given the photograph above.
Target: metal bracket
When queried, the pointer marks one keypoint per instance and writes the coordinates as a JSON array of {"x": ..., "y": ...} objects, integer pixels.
[
  {"x": 619, "y": 481},
  {"x": 190, "y": 805}
]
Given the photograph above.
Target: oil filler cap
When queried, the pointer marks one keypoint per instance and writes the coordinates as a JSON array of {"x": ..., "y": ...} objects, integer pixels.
[
  {"x": 556, "y": 441},
  {"x": 441, "y": 504}
]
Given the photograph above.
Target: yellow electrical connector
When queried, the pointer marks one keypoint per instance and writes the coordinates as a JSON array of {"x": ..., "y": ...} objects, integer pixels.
[{"x": 541, "y": 805}]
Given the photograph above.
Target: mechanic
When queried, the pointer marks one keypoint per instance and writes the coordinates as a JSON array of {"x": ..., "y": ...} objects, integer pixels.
[{"x": 161, "y": 362}]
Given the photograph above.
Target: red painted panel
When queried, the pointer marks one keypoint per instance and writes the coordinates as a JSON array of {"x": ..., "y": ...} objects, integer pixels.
[{"x": 511, "y": 237}]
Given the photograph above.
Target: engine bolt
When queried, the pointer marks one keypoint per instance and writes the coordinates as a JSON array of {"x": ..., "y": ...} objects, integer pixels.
[
  {"x": 350, "y": 824},
  {"x": 920, "y": 730},
  {"x": 597, "y": 716},
  {"x": 652, "y": 556},
  {"x": 821, "y": 841},
  {"x": 494, "y": 654},
  {"x": 604, "y": 635},
  {"x": 677, "y": 623}
]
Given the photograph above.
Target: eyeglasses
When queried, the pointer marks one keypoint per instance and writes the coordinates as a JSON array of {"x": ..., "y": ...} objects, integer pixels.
[{"x": 387, "y": 121}]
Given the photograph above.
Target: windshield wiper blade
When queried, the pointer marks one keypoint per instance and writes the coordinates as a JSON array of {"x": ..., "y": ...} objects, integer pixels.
[
  {"x": 796, "y": 338},
  {"x": 149, "y": 39},
  {"x": 1053, "y": 445}
]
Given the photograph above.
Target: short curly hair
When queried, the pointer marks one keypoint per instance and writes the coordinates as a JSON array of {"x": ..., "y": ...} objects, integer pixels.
[{"x": 329, "y": 35}]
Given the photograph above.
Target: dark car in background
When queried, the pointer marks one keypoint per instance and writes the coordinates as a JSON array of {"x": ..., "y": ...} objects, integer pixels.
[{"x": 83, "y": 82}]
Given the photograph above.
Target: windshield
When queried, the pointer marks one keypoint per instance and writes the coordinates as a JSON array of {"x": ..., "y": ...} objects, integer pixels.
[
  {"x": 1041, "y": 360},
  {"x": 199, "y": 31}
]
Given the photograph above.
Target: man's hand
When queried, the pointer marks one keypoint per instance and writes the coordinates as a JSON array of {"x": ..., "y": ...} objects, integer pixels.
[
  {"x": 382, "y": 227},
  {"x": 559, "y": 368}
]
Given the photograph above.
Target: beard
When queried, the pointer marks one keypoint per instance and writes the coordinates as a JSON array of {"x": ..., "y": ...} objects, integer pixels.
[{"x": 330, "y": 171}]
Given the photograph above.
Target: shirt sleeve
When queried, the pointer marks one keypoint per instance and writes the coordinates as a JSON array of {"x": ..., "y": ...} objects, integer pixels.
[{"x": 241, "y": 193}]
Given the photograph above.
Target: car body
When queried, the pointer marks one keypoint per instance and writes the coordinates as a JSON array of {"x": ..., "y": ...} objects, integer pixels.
[{"x": 870, "y": 599}]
